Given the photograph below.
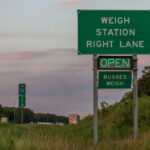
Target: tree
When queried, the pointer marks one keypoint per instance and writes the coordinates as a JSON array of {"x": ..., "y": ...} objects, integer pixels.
[
  {"x": 144, "y": 82},
  {"x": 27, "y": 113},
  {"x": 1, "y": 110},
  {"x": 104, "y": 106},
  {"x": 128, "y": 95},
  {"x": 143, "y": 85},
  {"x": 146, "y": 70},
  {"x": 40, "y": 117}
]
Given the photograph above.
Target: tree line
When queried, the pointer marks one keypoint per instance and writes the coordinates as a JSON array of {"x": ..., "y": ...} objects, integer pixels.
[
  {"x": 143, "y": 85},
  {"x": 29, "y": 116}
]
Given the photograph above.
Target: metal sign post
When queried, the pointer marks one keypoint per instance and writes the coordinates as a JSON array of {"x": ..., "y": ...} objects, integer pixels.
[
  {"x": 14, "y": 111},
  {"x": 95, "y": 100},
  {"x": 135, "y": 96},
  {"x": 104, "y": 32},
  {"x": 21, "y": 115}
]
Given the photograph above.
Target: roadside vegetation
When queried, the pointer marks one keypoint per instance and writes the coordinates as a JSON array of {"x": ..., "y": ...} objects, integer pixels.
[
  {"x": 30, "y": 116},
  {"x": 115, "y": 125},
  {"x": 115, "y": 131}
]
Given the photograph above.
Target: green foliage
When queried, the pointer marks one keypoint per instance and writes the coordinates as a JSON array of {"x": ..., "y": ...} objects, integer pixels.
[
  {"x": 144, "y": 112},
  {"x": 115, "y": 131},
  {"x": 127, "y": 95},
  {"x": 40, "y": 117},
  {"x": 9, "y": 112},
  {"x": 115, "y": 125},
  {"x": 104, "y": 106},
  {"x": 143, "y": 85},
  {"x": 146, "y": 70},
  {"x": 127, "y": 114},
  {"x": 30, "y": 116},
  {"x": 144, "y": 82},
  {"x": 1, "y": 111}
]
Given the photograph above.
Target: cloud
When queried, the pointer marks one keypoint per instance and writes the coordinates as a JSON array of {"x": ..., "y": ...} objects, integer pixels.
[
  {"x": 131, "y": 1},
  {"x": 71, "y": 3},
  {"x": 23, "y": 55},
  {"x": 58, "y": 80},
  {"x": 3, "y": 34},
  {"x": 61, "y": 93}
]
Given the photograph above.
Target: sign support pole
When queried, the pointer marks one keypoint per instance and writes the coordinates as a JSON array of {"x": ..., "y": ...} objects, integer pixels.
[
  {"x": 14, "y": 112},
  {"x": 14, "y": 115},
  {"x": 21, "y": 115},
  {"x": 135, "y": 96},
  {"x": 95, "y": 100}
]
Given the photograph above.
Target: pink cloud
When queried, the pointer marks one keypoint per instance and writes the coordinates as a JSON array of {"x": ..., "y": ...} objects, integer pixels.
[
  {"x": 68, "y": 2},
  {"x": 71, "y": 3},
  {"x": 14, "y": 55}
]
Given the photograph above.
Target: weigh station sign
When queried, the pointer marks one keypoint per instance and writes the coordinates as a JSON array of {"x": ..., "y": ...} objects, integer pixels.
[
  {"x": 123, "y": 34},
  {"x": 113, "y": 32}
]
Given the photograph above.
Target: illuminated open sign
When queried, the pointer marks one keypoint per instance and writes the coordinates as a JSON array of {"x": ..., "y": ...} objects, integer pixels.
[{"x": 114, "y": 63}]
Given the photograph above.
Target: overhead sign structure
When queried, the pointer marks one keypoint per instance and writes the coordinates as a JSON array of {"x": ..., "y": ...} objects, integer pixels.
[
  {"x": 113, "y": 32},
  {"x": 115, "y": 80},
  {"x": 22, "y": 95},
  {"x": 114, "y": 63}
]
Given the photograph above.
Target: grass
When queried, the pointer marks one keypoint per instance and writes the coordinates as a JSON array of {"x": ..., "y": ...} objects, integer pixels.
[{"x": 115, "y": 132}]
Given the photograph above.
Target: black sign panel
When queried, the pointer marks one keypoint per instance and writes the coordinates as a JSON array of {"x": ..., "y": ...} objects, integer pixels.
[{"x": 114, "y": 63}]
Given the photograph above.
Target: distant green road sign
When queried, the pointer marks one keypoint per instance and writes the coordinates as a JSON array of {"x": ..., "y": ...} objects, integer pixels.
[
  {"x": 22, "y": 95},
  {"x": 115, "y": 80},
  {"x": 113, "y": 32},
  {"x": 114, "y": 63}
]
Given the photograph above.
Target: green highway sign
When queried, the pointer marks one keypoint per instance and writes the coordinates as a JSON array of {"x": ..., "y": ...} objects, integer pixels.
[
  {"x": 114, "y": 63},
  {"x": 22, "y": 95},
  {"x": 115, "y": 80},
  {"x": 113, "y": 32}
]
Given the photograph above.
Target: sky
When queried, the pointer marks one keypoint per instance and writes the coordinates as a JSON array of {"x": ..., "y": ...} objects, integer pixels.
[{"x": 38, "y": 46}]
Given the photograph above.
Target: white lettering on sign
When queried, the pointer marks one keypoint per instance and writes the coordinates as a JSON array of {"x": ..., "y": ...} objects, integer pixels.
[
  {"x": 113, "y": 83},
  {"x": 117, "y": 77},
  {"x": 115, "y": 20},
  {"x": 99, "y": 44},
  {"x": 115, "y": 32},
  {"x": 132, "y": 44}
]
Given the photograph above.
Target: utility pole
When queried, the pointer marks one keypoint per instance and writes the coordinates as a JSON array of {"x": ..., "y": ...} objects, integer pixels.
[
  {"x": 95, "y": 100},
  {"x": 135, "y": 96}
]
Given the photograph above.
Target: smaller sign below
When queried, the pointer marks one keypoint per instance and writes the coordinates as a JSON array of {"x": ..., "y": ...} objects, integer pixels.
[
  {"x": 114, "y": 63},
  {"x": 115, "y": 80}
]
